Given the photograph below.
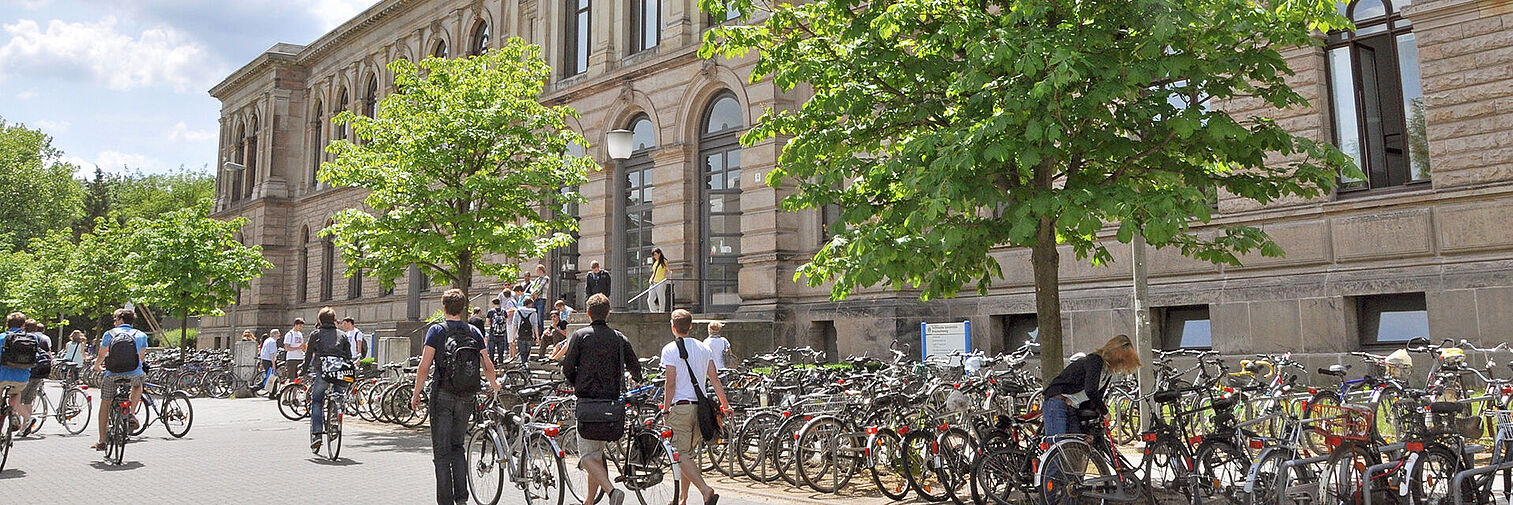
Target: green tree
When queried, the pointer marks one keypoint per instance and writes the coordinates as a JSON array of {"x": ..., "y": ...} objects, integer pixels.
[
  {"x": 98, "y": 281},
  {"x": 39, "y": 289},
  {"x": 149, "y": 195},
  {"x": 97, "y": 200},
  {"x": 946, "y": 129},
  {"x": 189, "y": 264},
  {"x": 459, "y": 163},
  {"x": 13, "y": 265},
  {"x": 36, "y": 186}
]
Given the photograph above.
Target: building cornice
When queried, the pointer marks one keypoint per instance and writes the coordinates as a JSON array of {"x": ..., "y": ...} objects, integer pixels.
[
  {"x": 354, "y": 27},
  {"x": 278, "y": 55}
]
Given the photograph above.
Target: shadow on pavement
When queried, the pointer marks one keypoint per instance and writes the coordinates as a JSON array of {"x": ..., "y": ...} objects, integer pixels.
[
  {"x": 338, "y": 462},
  {"x": 402, "y": 441},
  {"x": 126, "y": 465},
  {"x": 14, "y": 473}
]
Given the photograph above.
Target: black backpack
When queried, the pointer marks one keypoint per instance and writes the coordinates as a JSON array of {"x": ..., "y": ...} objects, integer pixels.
[
  {"x": 44, "y": 366},
  {"x": 461, "y": 362},
  {"x": 20, "y": 351},
  {"x": 122, "y": 354}
]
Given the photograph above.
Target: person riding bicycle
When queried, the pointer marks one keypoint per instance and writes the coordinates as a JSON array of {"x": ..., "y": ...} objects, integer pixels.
[
  {"x": 117, "y": 359},
  {"x": 13, "y": 379},
  {"x": 328, "y": 357},
  {"x": 1080, "y": 386},
  {"x": 40, "y": 371}
]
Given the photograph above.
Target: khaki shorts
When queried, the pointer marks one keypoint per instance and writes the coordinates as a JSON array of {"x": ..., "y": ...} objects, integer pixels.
[
  {"x": 29, "y": 394},
  {"x": 590, "y": 449},
  {"x": 108, "y": 389},
  {"x": 683, "y": 420},
  {"x": 16, "y": 387}
]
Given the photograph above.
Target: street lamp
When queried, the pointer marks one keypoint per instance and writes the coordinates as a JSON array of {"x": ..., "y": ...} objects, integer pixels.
[
  {"x": 233, "y": 166},
  {"x": 618, "y": 143}
]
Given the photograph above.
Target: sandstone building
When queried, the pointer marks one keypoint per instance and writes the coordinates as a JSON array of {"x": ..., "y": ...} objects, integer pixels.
[{"x": 1420, "y": 95}]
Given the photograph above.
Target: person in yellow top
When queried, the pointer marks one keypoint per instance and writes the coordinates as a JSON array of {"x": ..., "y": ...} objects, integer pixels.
[{"x": 658, "y": 299}]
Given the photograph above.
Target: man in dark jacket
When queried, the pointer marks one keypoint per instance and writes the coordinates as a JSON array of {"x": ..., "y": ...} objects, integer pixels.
[
  {"x": 596, "y": 359},
  {"x": 326, "y": 341},
  {"x": 597, "y": 281}
]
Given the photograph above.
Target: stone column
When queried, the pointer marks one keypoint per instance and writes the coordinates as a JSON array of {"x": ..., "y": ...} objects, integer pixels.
[{"x": 676, "y": 215}]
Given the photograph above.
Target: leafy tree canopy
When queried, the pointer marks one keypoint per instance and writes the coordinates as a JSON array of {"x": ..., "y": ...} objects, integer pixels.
[
  {"x": 947, "y": 129},
  {"x": 36, "y": 187},
  {"x": 463, "y": 165}
]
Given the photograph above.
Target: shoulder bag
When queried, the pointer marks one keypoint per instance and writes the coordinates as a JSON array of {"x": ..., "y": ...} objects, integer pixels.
[
  {"x": 603, "y": 419},
  {"x": 710, "y": 425}
]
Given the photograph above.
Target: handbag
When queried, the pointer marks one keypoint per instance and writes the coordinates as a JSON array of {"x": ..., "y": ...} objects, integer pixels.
[
  {"x": 710, "y": 422},
  {"x": 600, "y": 419}
]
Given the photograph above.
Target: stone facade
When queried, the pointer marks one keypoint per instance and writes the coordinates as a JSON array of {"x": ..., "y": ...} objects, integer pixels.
[{"x": 1444, "y": 238}]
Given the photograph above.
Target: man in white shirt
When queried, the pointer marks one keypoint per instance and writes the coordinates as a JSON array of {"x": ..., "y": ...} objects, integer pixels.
[
  {"x": 354, "y": 338},
  {"x": 265, "y": 356},
  {"x": 681, "y": 400},
  {"x": 717, "y": 344},
  {"x": 294, "y": 343}
]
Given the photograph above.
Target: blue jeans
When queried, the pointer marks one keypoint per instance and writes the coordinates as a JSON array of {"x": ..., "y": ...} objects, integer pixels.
[
  {"x": 498, "y": 348},
  {"x": 318, "y": 401},
  {"x": 523, "y": 349},
  {"x": 449, "y": 428},
  {"x": 540, "y": 315},
  {"x": 1059, "y": 418}
]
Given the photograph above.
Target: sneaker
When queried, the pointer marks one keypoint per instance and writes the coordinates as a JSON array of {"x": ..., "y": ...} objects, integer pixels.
[
  {"x": 616, "y": 497},
  {"x": 315, "y": 440}
]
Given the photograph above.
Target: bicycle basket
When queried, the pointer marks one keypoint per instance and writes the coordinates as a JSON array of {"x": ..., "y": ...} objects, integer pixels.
[
  {"x": 506, "y": 399},
  {"x": 1340, "y": 423}
]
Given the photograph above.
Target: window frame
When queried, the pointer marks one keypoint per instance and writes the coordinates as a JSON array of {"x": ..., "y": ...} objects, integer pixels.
[
  {"x": 478, "y": 39},
  {"x": 1165, "y": 336},
  {"x": 317, "y": 143},
  {"x": 1390, "y": 27},
  {"x": 638, "y": 42},
  {"x": 577, "y": 38},
  {"x": 722, "y": 142},
  {"x": 1372, "y": 340}
]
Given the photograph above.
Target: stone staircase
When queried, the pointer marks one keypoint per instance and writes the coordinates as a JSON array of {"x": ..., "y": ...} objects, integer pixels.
[{"x": 648, "y": 332}]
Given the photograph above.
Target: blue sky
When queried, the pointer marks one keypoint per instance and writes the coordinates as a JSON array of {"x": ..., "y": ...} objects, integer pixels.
[{"x": 124, "y": 82}]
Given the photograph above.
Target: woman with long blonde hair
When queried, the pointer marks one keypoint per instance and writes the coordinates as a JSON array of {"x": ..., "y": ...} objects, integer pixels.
[{"x": 1080, "y": 386}]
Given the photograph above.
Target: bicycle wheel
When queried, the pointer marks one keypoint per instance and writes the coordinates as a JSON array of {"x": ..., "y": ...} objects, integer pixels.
[
  {"x": 40, "y": 412},
  {"x": 781, "y": 448},
  {"x": 177, "y": 414},
  {"x": 332, "y": 420},
  {"x": 5, "y": 437},
  {"x": 648, "y": 469},
  {"x": 958, "y": 452},
  {"x": 1385, "y": 425},
  {"x": 921, "y": 466},
  {"x": 220, "y": 384},
  {"x": 1166, "y": 467},
  {"x": 998, "y": 474},
  {"x": 1124, "y": 414},
  {"x": 293, "y": 403},
  {"x": 752, "y": 445},
  {"x": 545, "y": 475},
  {"x": 1431, "y": 476},
  {"x": 885, "y": 450},
  {"x": 74, "y": 411},
  {"x": 1066, "y": 471},
  {"x": 1224, "y": 469},
  {"x": 1269, "y": 483},
  {"x": 115, "y": 448},
  {"x": 143, "y": 414},
  {"x": 485, "y": 468},
  {"x": 826, "y": 457},
  {"x": 1345, "y": 476}
]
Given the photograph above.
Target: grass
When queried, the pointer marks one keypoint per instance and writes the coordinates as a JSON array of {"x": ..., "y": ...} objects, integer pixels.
[{"x": 170, "y": 338}]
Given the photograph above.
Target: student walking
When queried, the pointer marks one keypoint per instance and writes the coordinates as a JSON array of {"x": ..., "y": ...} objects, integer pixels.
[
  {"x": 294, "y": 344},
  {"x": 596, "y": 361},
  {"x": 451, "y": 359},
  {"x": 497, "y": 319},
  {"x": 687, "y": 365},
  {"x": 597, "y": 282},
  {"x": 717, "y": 344}
]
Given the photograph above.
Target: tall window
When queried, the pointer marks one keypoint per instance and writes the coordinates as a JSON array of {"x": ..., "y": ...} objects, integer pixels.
[
  {"x": 251, "y": 161},
  {"x": 638, "y": 205},
  {"x": 1186, "y": 327},
  {"x": 575, "y": 57},
  {"x": 1378, "y": 100},
  {"x": 370, "y": 97},
  {"x": 354, "y": 283},
  {"x": 327, "y": 269},
  {"x": 302, "y": 268},
  {"x": 342, "y": 103},
  {"x": 317, "y": 141},
  {"x": 441, "y": 49},
  {"x": 645, "y": 24},
  {"x": 480, "y": 41},
  {"x": 720, "y": 152},
  {"x": 240, "y": 155}
]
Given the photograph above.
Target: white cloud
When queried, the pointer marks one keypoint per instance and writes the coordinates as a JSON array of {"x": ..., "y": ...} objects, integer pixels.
[
  {"x": 112, "y": 161},
  {"x": 333, "y": 13},
  {"x": 32, "y": 5},
  {"x": 181, "y": 132},
  {"x": 51, "y": 127},
  {"x": 97, "y": 52}
]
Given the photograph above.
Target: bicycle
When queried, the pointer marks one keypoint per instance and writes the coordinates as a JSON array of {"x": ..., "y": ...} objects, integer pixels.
[
  {"x": 176, "y": 413},
  {"x": 117, "y": 425},
  {"x": 73, "y": 411},
  {"x": 510, "y": 446},
  {"x": 332, "y": 418},
  {"x": 1073, "y": 469}
]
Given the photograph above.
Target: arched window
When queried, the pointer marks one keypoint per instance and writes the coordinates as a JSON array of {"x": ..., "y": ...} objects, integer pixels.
[
  {"x": 720, "y": 230},
  {"x": 302, "y": 265},
  {"x": 638, "y": 204},
  {"x": 370, "y": 97},
  {"x": 354, "y": 282},
  {"x": 251, "y": 160},
  {"x": 327, "y": 268},
  {"x": 342, "y": 103},
  {"x": 1377, "y": 96},
  {"x": 240, "y": 155},
  {"x": 440, "y": 51},
  {"x": 317, "y": 141},
  {"x": 645, "y": 24},
  {"x": 576, "y": 41},
  {"x": 480, "y": 40}
]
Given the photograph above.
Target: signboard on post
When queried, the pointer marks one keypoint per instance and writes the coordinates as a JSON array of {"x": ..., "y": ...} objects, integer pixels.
[{"x": 940, "y": 339}]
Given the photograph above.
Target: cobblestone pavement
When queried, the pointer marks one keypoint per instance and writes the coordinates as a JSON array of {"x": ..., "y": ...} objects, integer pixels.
[{"x": 242, "y": 451}]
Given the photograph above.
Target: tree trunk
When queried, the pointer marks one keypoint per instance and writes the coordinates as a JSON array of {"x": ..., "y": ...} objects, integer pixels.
[
  {"x": 1045, "y": 260},
  {"x": 464, "y": 278},
  {"x": 184, "y": 330}
]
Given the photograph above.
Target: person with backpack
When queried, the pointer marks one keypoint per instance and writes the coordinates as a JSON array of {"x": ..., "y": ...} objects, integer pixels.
[
  {"x": 497, "y": 319},
  {"x": 687, "y": 365},
  {"x": 455, "y": 348},
  {"x": 328, "y": 358},
  {"x": 123, "y": 349},
  {"x": 526, "y": 330},
  {"x": 40, "y": 371},
  {"x": 596, "y": 361},
  {"x": 18, "y": 354}
]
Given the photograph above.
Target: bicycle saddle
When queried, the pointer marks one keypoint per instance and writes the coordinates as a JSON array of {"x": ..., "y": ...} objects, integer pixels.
[
  {"x": 1335, "y": 370},
  {"x": 1223, "y": 404},
  {"x": 1446, "y": 408},
  {"x": 1168, "y": 396}
]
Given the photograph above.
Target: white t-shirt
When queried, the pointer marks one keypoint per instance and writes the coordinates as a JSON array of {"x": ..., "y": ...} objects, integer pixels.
[
  {"x": 269, "y": 349},
  {"x": 352, "y": 338},
  {"x": 698, "y": 357},
  {"x": 294, "y": 339},
  {"x": 717, "y": 347}
]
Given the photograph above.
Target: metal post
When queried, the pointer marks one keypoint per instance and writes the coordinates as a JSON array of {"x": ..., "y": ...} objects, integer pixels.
[{"x": 1143, "y": 342}]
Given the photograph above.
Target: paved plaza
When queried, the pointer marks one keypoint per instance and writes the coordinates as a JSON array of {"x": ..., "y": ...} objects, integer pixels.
[{"x": 243, "y": 451}]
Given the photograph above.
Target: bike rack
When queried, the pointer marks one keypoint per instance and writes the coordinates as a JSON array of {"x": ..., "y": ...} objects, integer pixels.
[
  {"x": 1460, "y": 478},
  {"x": 1372, "y": 470},
  {"x": 1283, "y": 470}
]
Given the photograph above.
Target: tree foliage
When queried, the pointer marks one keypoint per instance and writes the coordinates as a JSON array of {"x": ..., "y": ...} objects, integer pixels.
[
  {"x": 40, "y": 290},
  {"x": 98, "y": 281},
  {"x": 947, "y": 129},
  {"x": 36, "y": 187},
  {"x": 459, "y": 162},
  {"x": 189, "y": 264}
]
